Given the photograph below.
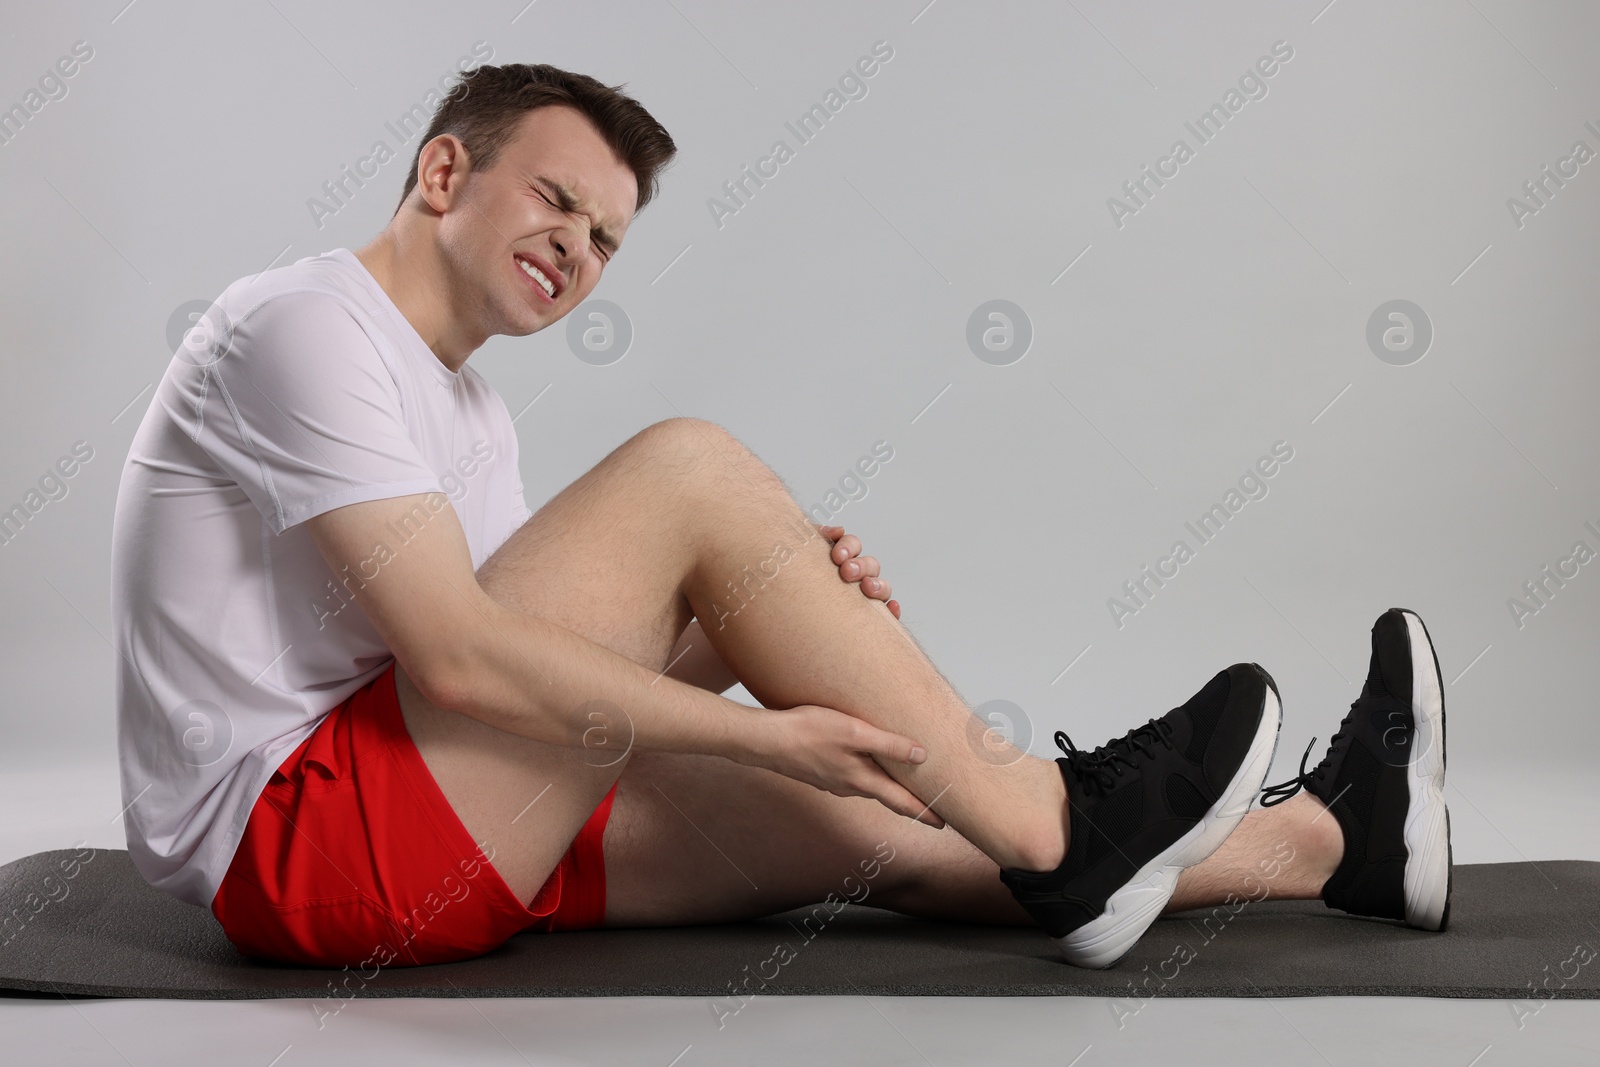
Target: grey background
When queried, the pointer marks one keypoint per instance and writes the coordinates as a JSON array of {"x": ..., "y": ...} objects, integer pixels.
[{"x": 831, "y": 312}]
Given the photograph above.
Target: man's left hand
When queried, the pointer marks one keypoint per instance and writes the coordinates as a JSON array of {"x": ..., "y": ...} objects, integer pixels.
[{"x": 854, "y": 567}]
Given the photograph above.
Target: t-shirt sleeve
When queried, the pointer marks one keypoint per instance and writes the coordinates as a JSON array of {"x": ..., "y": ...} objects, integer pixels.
[
  {"x": 519, "y": 506},
  {"x": 302, "y": 412},
  {"x": 519, "y": 503}
]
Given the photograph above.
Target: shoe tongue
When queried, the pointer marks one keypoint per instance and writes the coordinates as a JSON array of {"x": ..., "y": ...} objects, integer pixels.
[
  {"x": 1121, "y": 754},
  {"x": 1081, "y": 802}
]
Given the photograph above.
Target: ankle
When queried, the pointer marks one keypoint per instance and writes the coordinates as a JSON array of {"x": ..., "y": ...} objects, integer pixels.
[
  {"x": 1321, "y": 839},
  {"x": 1043, "y": 845}
]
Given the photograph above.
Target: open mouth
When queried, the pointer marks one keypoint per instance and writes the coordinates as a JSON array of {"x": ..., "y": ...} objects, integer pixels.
[{"x": 544, "y": 282}]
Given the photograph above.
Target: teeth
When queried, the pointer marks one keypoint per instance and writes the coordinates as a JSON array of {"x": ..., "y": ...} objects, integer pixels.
[{"x": 537, "y": 275}]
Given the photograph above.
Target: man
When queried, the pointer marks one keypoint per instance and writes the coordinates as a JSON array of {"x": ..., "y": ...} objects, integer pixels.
[{"x": 371, "y": 711}]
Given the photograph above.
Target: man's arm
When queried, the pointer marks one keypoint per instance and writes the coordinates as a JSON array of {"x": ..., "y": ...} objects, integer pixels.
[
  {"x": 535, "y": 678},
  {"x": 517, "y": 672}
]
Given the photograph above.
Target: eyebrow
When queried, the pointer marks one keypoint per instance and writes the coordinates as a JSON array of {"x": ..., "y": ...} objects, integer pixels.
[{"x": 569, "y": 201}]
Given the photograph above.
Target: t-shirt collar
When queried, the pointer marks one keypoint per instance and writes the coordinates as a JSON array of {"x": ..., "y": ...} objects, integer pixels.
[{"x": 444, "y": 375}]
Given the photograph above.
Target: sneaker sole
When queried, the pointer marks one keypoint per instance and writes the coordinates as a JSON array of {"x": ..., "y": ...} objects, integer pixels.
[
  {"x": 1427, "y": 826},
  {"x": 1130, "y": 910}
]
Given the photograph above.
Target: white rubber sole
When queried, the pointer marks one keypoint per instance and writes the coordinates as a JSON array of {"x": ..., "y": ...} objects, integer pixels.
[
  {"x": 1131, "y": 909},
  {"x": 1427, "y": 826}
]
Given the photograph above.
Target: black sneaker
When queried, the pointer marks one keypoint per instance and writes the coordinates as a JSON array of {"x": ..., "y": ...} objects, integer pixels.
[
  {"x": 1143, "y": 807},
  {"x": 1383, "y": 779}
]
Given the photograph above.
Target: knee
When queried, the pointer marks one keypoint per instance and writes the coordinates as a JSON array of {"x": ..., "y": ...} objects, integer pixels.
[
  {"x": 685, "y": 434},
  {"x": 703, "y": 450}
]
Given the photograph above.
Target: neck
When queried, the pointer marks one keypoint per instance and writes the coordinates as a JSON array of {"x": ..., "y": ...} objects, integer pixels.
[{"x": 416, "y": 278}]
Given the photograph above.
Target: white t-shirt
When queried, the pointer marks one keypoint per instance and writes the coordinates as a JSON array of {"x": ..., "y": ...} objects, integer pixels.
[{"x": 301, "y": 390}]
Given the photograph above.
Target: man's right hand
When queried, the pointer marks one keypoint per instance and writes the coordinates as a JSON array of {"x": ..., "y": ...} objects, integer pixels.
[{"x": 840, "y": 754}]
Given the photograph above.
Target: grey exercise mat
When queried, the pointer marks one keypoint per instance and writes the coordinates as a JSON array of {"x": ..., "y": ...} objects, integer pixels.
[{"x": 1518, "y": 931}]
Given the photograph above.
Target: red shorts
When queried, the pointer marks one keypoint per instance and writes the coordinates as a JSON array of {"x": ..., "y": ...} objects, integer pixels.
[{"x": 353, "y": 857}]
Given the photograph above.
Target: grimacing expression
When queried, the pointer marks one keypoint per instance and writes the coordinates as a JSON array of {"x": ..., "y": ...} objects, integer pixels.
[{"x": 537, "y": 228}]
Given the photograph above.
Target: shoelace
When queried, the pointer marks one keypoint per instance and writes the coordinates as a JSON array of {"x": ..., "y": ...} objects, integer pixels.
[
  {"x": 1103, "y": 766},
  {"x": 1277, "y": 794}
]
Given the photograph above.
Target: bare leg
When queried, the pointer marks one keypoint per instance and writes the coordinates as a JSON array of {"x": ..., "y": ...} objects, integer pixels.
[
  {"x": 695, "y": 839},
  {"x": 1284, "y": 852},
  {"x": 775, "y": 609},
  {"x": 681, "y": 520},
  {"x": 699, "y": 839}
]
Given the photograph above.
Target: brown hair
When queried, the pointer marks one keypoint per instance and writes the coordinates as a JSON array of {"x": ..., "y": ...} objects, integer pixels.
[{"x": 485, "y": 105}]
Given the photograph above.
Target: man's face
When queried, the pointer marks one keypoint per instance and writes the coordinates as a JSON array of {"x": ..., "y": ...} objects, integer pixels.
[{"x": 558, "y": 200}]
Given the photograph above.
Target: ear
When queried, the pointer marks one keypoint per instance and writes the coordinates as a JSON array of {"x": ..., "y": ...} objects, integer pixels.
[{"x": 443, "y": 167}]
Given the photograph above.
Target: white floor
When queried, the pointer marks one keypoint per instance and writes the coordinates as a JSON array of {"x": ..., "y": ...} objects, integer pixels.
[
  {"x": 658, "y": 1032},
  {"x": 1497, "y": 813}
]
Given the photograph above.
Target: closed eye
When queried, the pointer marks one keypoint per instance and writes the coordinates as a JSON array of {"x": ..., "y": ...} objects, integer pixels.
[{"x": 569, "y": 210}]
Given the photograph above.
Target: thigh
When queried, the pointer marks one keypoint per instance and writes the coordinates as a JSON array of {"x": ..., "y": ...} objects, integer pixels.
[
  {"x": 701, "y": 839},
  {"x": 601, "y": 559}
]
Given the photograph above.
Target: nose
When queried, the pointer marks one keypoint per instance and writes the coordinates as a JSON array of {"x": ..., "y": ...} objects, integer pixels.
[{"x": 571, "y": 243}]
